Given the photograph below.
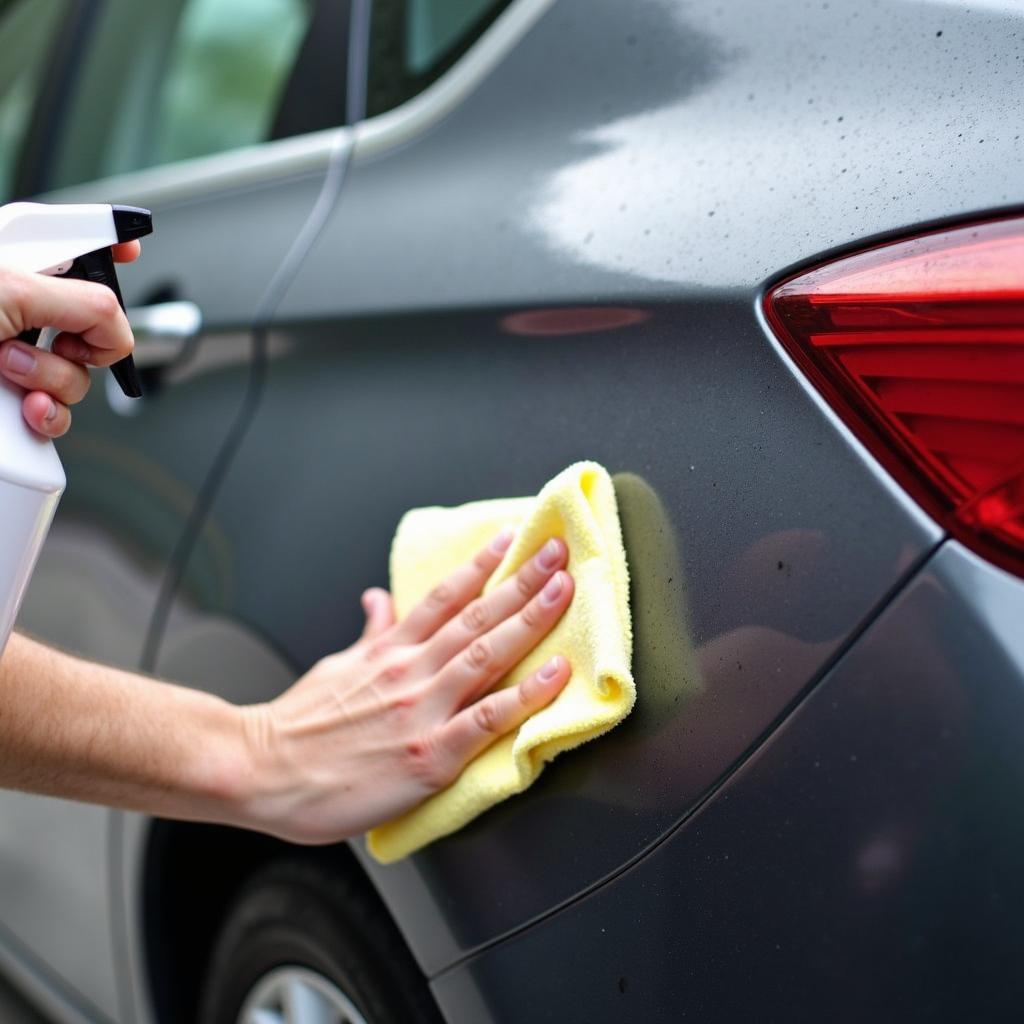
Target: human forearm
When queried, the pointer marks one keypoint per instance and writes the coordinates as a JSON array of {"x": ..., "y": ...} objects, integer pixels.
[
  {"x": 366, "y": 734},
  {"x": 75, "y": 729}
]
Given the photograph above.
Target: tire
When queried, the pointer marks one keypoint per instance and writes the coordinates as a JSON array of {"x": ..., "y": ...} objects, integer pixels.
[{"x": 334, "y": 932}]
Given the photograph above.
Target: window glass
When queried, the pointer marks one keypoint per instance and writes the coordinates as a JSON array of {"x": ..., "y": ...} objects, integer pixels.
[
  {"x": 227, "y": 72},
  {"x": 413, "y": 42},
  {"x": 434, "y": 27},
  {"x": 28, "y": 29},
  {"x": 166, "y": 80}
]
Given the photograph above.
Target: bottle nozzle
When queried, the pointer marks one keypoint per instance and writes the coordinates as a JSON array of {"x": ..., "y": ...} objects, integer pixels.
[{"x": 132, "y": 222}]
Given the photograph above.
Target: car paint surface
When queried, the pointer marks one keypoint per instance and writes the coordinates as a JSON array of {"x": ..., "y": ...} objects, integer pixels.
[
  {"x": 864, "y": 864},
  {"x": 642, "y": 169},
  {"x": 781, "y": 538},
  {"x": 640, "y": 150},
  {"x": 725, "y": 637}
]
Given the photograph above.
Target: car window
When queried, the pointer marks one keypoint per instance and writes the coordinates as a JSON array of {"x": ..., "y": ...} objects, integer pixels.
[
  {"x": 166, "y": 80},
  {"x": 28, "y": 31},
  {"x": 413, "y": 42}
]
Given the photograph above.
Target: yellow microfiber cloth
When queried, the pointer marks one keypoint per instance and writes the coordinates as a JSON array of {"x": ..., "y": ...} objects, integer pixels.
[{"x": 594, "y": 634}]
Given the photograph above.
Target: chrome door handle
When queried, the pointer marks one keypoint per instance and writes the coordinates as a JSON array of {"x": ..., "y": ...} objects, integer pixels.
[{"x": 163, "y": 331}]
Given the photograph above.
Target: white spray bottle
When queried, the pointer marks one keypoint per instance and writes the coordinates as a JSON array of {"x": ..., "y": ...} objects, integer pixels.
[{"x": 66, "y": 241}]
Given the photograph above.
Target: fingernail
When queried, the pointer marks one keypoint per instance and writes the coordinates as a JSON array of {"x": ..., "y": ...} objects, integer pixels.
[
  {"x": 503, "y": 541},
  {"x": 552, "y": 589},
  {"x": 19, "y": 360},
  {"x": 550, "y": 668},
  {"x": 51, "y": 413},
  {"x": 548, "y": 556}
]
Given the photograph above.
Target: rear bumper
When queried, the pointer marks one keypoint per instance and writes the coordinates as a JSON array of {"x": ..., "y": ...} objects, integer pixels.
[{"x": 864, "y": 862}]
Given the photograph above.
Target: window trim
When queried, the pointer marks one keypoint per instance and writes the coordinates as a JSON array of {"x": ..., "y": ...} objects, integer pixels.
[{"x": 246, "y": 167}]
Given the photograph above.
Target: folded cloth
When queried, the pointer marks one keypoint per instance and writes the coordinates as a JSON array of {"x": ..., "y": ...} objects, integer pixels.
[{"x": 594, "y": 634}]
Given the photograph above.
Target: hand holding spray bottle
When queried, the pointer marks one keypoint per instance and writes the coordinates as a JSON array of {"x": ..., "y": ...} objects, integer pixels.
[{"x": 62, "y": 241}]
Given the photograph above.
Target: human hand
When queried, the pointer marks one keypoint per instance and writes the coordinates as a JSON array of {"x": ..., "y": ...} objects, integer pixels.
[
  {"x": 372, "y": 731},
  {"x": 95, "y": 332}
]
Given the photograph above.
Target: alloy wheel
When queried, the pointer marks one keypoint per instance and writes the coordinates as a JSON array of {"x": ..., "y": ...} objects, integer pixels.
[{"x": 297, "y": 995}]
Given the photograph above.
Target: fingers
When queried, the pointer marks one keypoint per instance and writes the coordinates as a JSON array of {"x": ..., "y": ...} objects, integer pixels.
[
  {"x": 44, "y": 415},
  {"x": 490, "y": 656},
  {"x": 37, "y": 370},
  {"x": 505, "y": 600},
  {"x": 71, "y": 346},
  {"x": 453, "y": 594},
  {"x": 126, "y": 252},
  {"x": 380, "y": 612},
  {"x": 79, "y": 307},
  {"x": 475, "y": 728}
]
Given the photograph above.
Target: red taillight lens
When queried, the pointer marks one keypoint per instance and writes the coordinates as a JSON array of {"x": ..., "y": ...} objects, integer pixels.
[{"x": 919, "y": 346}]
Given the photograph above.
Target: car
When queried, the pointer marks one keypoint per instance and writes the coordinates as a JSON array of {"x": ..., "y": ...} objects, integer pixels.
[{"x": 422, "y": 252}]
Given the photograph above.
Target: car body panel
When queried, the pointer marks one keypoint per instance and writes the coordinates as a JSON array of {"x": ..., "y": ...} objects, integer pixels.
[
  {"x": 738, "y": 603},
  {"x": 864, "y": 864},
  {"x": 643, "y": 149},
  {"x": 396, "y": 345}
]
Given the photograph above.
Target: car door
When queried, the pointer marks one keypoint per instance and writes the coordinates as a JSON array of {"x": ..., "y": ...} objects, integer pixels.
[{"x": 192, "y": 108}]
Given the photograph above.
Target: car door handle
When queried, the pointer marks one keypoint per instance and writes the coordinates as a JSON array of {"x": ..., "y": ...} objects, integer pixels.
[{"x": 163, "y": 331}]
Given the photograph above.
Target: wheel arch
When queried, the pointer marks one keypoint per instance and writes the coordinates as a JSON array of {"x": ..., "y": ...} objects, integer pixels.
[{"x": 190, "y": 877}]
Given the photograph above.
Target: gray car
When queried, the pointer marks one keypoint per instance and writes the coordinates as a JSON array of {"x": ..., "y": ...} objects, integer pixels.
[{"x": 761, "y": 261}]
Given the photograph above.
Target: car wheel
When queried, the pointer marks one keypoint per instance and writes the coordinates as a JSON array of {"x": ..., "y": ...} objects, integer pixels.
[{"x": 302, "y": 946}]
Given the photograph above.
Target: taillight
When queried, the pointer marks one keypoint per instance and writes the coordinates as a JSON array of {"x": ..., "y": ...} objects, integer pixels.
[{"x": 919, "y": 346}]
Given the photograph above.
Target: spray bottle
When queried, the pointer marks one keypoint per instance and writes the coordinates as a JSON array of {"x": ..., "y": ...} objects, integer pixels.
[{"x": 63, "y": 241}]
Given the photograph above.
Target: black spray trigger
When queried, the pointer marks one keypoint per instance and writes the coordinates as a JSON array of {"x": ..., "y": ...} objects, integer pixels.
[
  {"x": 98, "y": 266},
  {"x": 130, "y": 222}
]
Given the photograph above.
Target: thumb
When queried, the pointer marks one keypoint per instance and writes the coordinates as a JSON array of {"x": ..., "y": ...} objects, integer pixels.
[{"x": 380, "y": 614}]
